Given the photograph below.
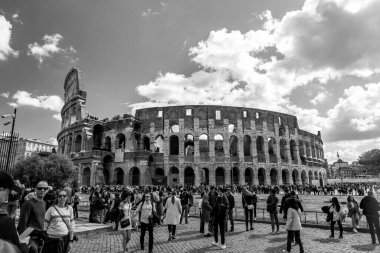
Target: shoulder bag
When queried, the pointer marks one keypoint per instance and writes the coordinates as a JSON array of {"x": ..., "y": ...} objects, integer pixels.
[
  {"x": 75, "y": 238},
  {"x": 127, "y": 222}
]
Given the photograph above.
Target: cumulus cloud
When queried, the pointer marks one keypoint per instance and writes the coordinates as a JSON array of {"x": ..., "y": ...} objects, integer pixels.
[
  {"x": 5, "y": 94},
  {"x": 49, "y": 48},
  {"x": 5, "y": 39},
  {"x": 149, "y": 12},
  {"x": 23, "y": 98},
  {"x": 57, "y": 116},
  {"x": 320, "y": 97}
]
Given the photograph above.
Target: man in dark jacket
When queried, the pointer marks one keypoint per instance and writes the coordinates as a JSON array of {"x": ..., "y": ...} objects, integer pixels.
[
  {"x": 185, "y": 200},
  {"x": 371, "y": 209},
  {"x": 231, "y": 201},
  {"x": 283, "y": 202}
]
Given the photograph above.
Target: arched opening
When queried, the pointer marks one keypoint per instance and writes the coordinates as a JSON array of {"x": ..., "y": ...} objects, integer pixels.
[
  {"x": 235, "y": 175},
  {"x": 295, "y": 177},
  {"x": 203, "y": 146},
  {"x": 107, "y": 143},
  {"x": 247, "y": 145},
  {"x": 316, "y": 175},
  {"x": 86, "y": 177},
  {"x": 248, "y": 174},
  {"x": 234, "y": 146},
  {"x": 310, "y": 177},
  {"x": 69, "y": 145},
  {"x": 304, "y": 177},
  {"x": 159, "y": 144},
  {"x": 283, "y": 154},
  {"x": 189, "y": 176},
  {"x": 134, "y": 175},
  {"x": 272, "y": 150},
  {"x": 285, "y": 176},
  {"x": 174, "y": 175},
  {"x": 219, "y": 176},
  {"x": 273, "y": 177},
  {"x": 174, "y": 145},
  {"x": 120, "y": 141},
  {"x": 158, "y": 172},
  {"x": 106, "y": 176},
  {"x": 260, "y": 149},
  {"x": 146, "y": 142},
  {"x": 293, "y": 150},
  {"x": 97, "y": 136},
  {"x": 218, "y": 140},
  {"x": 78, "y": 143},
  {"x": 308, "y": 152},
  {"x": 189, "y": 145},
  {"x": 205, "y": 176},
  {"x": 119, "y": 176},
  {"x": 261, "y": 176},
  {"x": 281, "y": 130}
]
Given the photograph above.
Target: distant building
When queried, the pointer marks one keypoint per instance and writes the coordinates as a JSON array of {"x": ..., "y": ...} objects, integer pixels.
[
  {"x": 4, "y": 150},
  {"x": 342, "y": 169},
  {"x": 27, "y": 147}
]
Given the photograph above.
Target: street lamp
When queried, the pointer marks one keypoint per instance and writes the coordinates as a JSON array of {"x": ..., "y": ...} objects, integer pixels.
[{"x": 11, "y": 139}]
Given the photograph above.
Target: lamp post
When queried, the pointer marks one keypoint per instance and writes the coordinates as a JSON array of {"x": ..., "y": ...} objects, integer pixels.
[{"x": 11, "y": 139}]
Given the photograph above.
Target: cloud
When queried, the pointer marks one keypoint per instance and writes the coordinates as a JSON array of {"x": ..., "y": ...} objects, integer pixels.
[
  {"x": 23, "y": 98},
  {"x": 149, "y": 12},
  {"x": 16, "y": 18},
  {"x": 5, "y": 40},
  {"x": 57, "y": 116},
  {"x": 5, "y": 94},
  {"x": 49, "y": 48},
  {"x": 320, "y": 97}
]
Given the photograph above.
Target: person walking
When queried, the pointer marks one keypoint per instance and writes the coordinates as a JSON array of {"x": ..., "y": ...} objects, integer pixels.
[
  {"x": 185, "y": 198},
  {"x": 272, "y": 202},
  {"x": 59, "y": 224},
  {"x": 293, "y": 226},
  {"x": 76, "y": 203},
  {"x": 160, "y": 206},
  {"x": 124, "y": 222},
  {"x": 336, "y": 217},
  {"x": 205, "y": 215},
  {"x": 371, "y": 209},
  {"x": 353, "y": 212},
  {"x": 202, "y": 224},
  {"x": 145, "y": 212},
  {"x": 173, "y": 213},
  {"x": 247, "y": 201},
  {"x": 219, "y": 212},
  {"x": 231, "y": 201}
]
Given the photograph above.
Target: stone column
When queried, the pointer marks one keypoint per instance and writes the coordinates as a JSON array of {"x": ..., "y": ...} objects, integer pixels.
[
  {"x": 255, "y": 176},
  {"x": 279, "y": 177},
  {"x": 267, "y": 176}
]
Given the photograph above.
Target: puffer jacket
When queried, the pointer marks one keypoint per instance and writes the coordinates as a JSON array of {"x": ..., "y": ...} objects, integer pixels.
[{"x": 293, "y": 222}]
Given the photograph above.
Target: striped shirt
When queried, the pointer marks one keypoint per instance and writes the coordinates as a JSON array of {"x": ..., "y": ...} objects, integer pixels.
[{"x": 54, "y": 224}]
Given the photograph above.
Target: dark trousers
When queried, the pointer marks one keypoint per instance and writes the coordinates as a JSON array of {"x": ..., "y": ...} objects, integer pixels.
[
  {"x": 202, "y": 225},
  {"x": 340, "y": 227},
  {"x": 75, "y": 208},
  {"x": 274, "y": 221},
  {"x": 254, "y": 209},
  {"x": 144, "y": 227},
  {"x": 291, "y": 235},
  {"x": 58, "y": 245},
  {"x": 246, "y": 212},
  {"x": 231, "y": 218},
  {"x": 219, "y": 224},
  {"x": 373, "y": 223},
  {"x": 185, "y": 211},
  {"x": 172, "y": 229}
]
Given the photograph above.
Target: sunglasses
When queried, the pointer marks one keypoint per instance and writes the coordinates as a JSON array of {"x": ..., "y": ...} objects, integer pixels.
[
  {"x": 42, "y": 188},
  {"x": 62, "y": 196}
]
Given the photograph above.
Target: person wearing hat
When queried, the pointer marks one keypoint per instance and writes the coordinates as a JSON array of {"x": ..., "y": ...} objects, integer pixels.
[
  {"x": 8, "y": 230},
  {"x": 371, "y": 210}
]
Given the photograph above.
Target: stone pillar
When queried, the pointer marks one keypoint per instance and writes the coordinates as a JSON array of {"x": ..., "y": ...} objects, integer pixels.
[
  {"x": 181, "y": 176},
  {"x": 266, "y": 150},
  {"x": 279, "y": 177},
  {"x": 255, "y": 176},
  {"x": 228, "y": 175},
  {"x": 196, "y": 147},
  {"x": 212, "y": 179},
  {"x": 253, "y": 148},
  {"x": 267, "y": 177},
  {"x": 241, "y": 176}
]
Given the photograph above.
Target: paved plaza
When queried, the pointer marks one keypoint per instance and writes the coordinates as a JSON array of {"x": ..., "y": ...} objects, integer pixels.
[{"x": 259, "y": 240}]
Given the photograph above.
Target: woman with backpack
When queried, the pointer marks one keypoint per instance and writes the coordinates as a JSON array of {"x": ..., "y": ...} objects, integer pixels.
[
  {"x": 173, "y": 213},
  {"x": 336, "y": 217},
  {"x": 145, "y": 212},
  {"x": 293, "y": 225}
]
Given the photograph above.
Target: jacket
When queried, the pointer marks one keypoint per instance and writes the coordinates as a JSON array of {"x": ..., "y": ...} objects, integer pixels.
[
  {"x": 231, "y": 201},
  {"x": 206, "y": 210},
  {"x": 293, "y": 221},
  {"x": 272, "y": 202},
  {"x": 247, "y": 200},
  {"x": 370, "y": 206}
]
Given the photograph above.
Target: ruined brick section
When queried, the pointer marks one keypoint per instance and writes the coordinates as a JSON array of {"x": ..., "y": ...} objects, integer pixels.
[{"x": 191, "y": 144}]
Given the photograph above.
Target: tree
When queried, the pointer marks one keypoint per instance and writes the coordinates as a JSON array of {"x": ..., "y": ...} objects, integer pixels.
[
  {"x": 53, "y": 168},
  {"x": 371, "y": 159}
]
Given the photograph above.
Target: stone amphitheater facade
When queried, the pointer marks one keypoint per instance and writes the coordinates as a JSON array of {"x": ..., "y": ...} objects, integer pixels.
[{"x": 187, "y": 145}]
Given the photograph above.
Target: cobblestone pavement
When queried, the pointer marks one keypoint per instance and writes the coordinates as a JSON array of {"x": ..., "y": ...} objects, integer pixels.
[{"x": 259, "y": 240}]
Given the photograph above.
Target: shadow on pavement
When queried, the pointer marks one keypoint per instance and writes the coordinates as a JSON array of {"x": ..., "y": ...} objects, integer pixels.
[
  {"x": 277, "y": 239},
  {"x": 327, "y": 240},
  {"x": 366, "y": 247},
  {"x": 275, "y": 249}
]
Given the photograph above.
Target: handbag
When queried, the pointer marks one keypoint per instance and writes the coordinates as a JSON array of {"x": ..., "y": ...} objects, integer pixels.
[
  {"x": 125, "y": 223},
  {"x": 329, "y": 217}
]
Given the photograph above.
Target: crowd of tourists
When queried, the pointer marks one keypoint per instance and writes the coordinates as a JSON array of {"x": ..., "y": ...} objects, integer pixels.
[{"x": 47, "y": 215}]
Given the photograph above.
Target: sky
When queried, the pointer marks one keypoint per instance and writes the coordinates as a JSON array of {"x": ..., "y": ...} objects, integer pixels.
[{"x": 316, "y": 59}]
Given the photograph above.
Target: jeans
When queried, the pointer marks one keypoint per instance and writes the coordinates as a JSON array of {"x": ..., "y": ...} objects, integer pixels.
[
  {"x": 231, "y": 217},
  {"x": 185, "y": 209},
  {"x": 274, "y": 221},
  {"x": 202, "y": 225},
  {"x": 144, "y": 227},
  {"x": 291, "y": 235},
  {"x": 373, "y": 223},
  {"x": 254, "y": 209},
  {"x": 219, "y": 224},
  {"x": 58, "y": 245},
  {"x": 246, "y": 211},
  {"x": 172, "y": 229},
  {"x": 75, "y": 209},
  {"x": 340, "y": 227}
]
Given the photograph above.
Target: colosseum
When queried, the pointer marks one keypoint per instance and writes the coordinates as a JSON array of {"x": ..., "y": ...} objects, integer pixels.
[{"x": 187, "y": 145}]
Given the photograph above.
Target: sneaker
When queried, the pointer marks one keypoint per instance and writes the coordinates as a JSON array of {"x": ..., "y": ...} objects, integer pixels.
[
  {"x": 355, "y": 230},
  {"x": 331, "y": 236},
  {"x": 215, "y": 244},
  {"x": 273, "y": 233},
  {"x": 251, "y": 228},
  {"x": 341, "y": 237},
  {"x": 223, "y": 246},
  {"x": 170, "y": 238},
  {"x": 278, "y": 231}
]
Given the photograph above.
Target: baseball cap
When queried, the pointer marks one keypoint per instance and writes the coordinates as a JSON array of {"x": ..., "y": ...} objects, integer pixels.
[{"x": 6, "y": 181}]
